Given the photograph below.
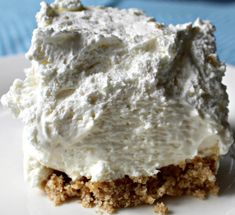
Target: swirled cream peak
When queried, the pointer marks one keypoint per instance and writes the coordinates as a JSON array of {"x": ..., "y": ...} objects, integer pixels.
[{"x": 112, "y": 92}]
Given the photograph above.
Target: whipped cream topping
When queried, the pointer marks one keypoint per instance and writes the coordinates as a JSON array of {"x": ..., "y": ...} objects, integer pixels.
[{"x": 112, "y": 93}]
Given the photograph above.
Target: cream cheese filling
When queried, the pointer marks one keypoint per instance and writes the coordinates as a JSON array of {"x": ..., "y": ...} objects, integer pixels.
[{"x": 112, "y": 93}]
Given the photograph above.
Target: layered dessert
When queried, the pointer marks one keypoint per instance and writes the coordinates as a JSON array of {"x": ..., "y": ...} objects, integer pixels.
[{"x": 120, "y": 110}]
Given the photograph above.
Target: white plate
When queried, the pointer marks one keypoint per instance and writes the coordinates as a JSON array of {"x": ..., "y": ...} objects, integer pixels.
[{"x": 17, "y": 198}]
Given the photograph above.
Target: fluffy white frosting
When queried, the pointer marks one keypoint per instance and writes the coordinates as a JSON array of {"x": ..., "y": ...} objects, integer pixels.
[{"x": 112, "y": 92}]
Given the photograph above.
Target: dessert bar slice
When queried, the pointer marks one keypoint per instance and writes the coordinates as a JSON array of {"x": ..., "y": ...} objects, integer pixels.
[{"x": 120, "y": 110}]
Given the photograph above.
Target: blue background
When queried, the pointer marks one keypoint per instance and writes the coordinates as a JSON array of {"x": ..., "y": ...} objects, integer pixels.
[{"x": 17, "y": 20}]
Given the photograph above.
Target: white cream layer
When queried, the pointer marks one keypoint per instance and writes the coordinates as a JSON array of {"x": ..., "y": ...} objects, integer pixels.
[{"x": 112, "y": 93}]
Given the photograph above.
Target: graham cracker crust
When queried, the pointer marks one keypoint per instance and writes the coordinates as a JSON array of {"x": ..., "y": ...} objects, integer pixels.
[{"x": 193, "y": 177}]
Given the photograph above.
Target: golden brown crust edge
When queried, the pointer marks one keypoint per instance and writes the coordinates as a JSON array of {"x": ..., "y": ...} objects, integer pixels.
[{"x": 193, "y": 177}]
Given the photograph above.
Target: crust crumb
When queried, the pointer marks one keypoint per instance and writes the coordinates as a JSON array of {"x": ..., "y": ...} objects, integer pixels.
[{"x": 161, "y": 208}]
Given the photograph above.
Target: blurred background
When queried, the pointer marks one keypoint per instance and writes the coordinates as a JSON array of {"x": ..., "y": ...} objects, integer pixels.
[{"x": 17, "y": 20}]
